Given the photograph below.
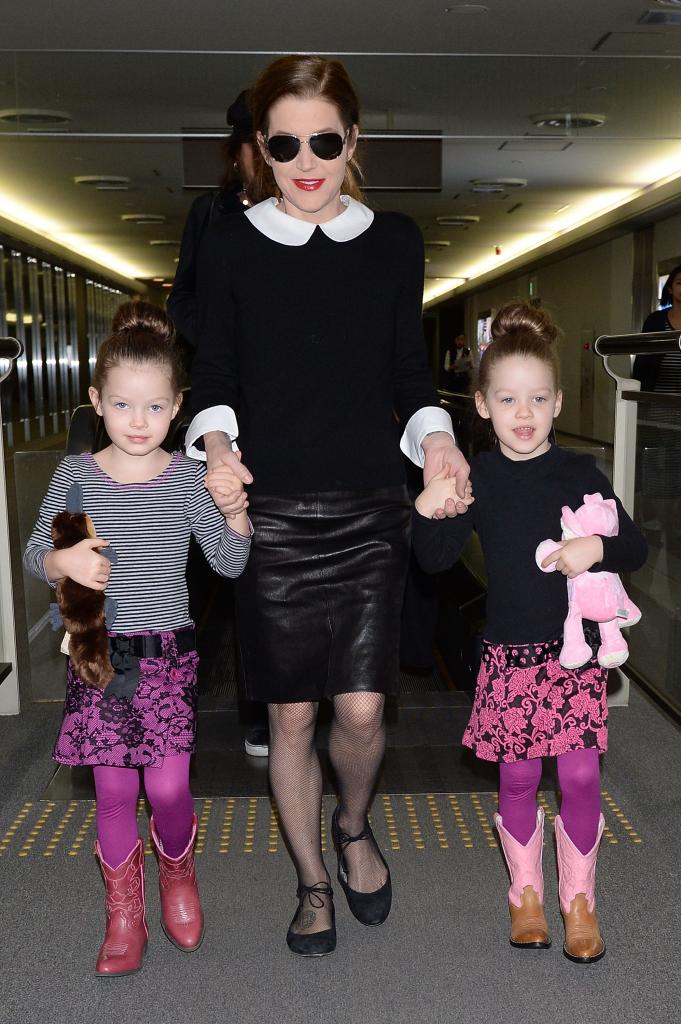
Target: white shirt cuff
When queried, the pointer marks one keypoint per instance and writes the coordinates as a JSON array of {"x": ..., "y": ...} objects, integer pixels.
[
  {"x": 218, "y": 417},
  {"x": 426, "y": 421}
]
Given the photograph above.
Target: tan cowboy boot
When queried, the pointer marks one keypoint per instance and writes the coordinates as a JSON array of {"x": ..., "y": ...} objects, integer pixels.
[
  {"x": 529, "y": 929},
  {"x": 576, "y": 887}
]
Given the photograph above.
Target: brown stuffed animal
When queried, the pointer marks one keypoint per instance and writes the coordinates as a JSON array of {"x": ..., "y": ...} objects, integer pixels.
[{"x": 83, "y": 610}]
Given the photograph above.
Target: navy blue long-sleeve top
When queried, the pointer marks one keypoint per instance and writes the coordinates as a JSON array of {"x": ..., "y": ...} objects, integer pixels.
[{"x": 518, "y": 505}]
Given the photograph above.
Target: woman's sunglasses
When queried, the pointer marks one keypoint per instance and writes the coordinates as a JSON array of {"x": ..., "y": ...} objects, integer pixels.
[{"x": 325, "y": 145}]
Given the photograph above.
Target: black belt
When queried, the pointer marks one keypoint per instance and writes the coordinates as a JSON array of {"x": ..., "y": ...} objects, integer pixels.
[
  {"x": 151, "y": 646},
  {"x": 126, "y": 652}
]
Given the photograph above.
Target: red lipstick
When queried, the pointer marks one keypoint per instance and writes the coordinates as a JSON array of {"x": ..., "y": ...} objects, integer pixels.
[{"x": 308, "y": 184}]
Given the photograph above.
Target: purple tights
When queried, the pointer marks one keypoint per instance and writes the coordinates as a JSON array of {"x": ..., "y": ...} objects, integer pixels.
[
  {"x": 579, "y": 779},
  {"x": 167, "y": 790}
]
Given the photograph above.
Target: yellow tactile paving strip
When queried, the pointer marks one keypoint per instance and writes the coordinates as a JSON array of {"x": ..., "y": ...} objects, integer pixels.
[{"x": 242, "y": 826}]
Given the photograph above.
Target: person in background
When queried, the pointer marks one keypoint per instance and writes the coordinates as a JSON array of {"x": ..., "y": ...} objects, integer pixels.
[
  {"x": 232, "y": 199},
  {"x": 458, "y": 365}
]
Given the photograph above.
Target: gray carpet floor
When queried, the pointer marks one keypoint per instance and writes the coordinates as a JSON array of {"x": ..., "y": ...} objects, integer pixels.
[{"x": 442, "y": 956}]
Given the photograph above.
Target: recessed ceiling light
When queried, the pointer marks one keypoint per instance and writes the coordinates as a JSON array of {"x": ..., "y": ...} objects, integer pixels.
[
  {"x": 143, "y": 218},
  {"x": 457, "y": 220},
  {"x": 564, "y": 119},
  {"x": 163, "y": 241},
  {"x": 33, "y": 116},
  {"x": 103, "y": 182},
  {"x": 497, "y": 184},
  {"x": 158, "y": 280}
]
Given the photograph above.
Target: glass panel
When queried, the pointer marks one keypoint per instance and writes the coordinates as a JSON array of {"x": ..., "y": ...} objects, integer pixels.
[
  {"x": 32, "y": 474},
  {"x": 655, "y": 643}
]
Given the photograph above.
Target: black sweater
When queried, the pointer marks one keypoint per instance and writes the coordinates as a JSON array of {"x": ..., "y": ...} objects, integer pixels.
[
  {"x": 518, "y": 505},
  {"x": 315, "y": 347}
]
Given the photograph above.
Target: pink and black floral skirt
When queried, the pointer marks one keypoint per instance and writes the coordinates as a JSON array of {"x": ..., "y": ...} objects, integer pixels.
[
  {"x": 158, "y": 721},
  {"x": 527, "y": 705}
]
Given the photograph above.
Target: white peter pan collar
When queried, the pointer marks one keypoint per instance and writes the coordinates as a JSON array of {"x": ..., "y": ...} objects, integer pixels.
[{"x": 281, "y": 227}]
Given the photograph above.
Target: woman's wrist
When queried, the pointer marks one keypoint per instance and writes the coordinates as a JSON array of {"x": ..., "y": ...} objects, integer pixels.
[
  {"x": 216, "y": 442},
  {"x": 438, "y": 439}
]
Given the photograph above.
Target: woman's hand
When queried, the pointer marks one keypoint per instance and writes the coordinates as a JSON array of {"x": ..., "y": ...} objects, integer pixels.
[
  {"x": 226, "y": 476},
  {"x": 440, "y": 451},
  {"x": 440, "y": 490},
  {"x": 576, "y": 556},
  {"x": 81, "y": 563}
]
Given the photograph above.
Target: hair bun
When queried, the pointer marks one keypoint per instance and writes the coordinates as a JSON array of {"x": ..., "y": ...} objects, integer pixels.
[
  {"x": 519, "y": 318},
  {"x": 142, "y": 316}
]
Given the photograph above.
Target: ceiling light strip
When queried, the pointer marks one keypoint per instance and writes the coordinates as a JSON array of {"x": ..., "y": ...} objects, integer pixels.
[
  {"x": 25, "y": 217},
  {"x": 572, "y": 223}
]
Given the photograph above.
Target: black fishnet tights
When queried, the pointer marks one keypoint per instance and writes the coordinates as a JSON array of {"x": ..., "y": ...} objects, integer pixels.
[
  {"x": 356, "y": 748},
  {"x": 296, "y": 779}
]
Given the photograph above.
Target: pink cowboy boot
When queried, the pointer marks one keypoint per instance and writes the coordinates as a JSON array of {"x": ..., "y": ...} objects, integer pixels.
[
  {"x": 576, "y": 887},
  {"x": 529, "y": 929},
  {"x": 125, "y": 940},
  {"x": 181, "y": 913}
]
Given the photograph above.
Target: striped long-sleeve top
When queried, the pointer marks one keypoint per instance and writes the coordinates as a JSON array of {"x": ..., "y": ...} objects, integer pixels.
[{"x": 149, "y": 526}]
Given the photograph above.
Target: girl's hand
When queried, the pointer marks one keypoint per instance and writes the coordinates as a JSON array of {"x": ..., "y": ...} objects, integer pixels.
[
  {"x": 227, "y": 490},
  {"x": 576, "y": 556},
  {"x": 442, "y": 489},
  {"x": 81, "y": 563}
]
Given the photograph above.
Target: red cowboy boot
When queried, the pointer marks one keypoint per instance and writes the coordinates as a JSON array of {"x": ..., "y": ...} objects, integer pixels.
[
  {"x": 125, "y": 939},
  {"x": 181, "y": 914}
]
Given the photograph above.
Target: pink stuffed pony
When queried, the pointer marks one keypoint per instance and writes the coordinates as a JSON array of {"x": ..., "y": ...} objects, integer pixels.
[{"x": 598, "y": 596}]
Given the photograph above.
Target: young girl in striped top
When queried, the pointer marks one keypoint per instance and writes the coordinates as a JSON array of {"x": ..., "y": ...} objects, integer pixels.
[{"x": 144, "y": 503}]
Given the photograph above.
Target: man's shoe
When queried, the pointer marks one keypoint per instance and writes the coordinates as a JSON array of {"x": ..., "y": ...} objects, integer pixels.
[{"x": 257, "y": 742}]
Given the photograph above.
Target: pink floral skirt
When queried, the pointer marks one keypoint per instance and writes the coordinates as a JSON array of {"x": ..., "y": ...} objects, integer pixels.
[
  {"x": 527, "y": 705},
  {"x": 157, "y": 722}
]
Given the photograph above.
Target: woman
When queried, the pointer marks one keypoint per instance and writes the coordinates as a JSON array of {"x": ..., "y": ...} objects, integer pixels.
[{"x": 310, "y": 326}]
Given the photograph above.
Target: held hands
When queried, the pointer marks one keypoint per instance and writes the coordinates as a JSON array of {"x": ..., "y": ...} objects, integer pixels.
[
  {"x": 439, "y": 492},
  {"x": 575, "y": 556},
  {"x": 226, "y": 476},
  {"x": 440, "y": 452},
  {"x": 223, "y": 484},
  {"x": 81, "y": 563}
]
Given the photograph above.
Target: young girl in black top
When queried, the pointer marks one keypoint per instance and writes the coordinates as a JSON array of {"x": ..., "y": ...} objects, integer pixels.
[{"x": 527, "y": 706}]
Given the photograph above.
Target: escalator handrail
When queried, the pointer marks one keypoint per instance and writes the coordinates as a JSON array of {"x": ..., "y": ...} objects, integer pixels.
[
  {"x": 651, "y": 343},
  {"x": 10, "y": 348}
]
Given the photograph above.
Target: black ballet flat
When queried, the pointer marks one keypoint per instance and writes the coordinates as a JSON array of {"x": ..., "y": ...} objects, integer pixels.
[
  {"x": 371, "y": 908},
  {"x": 315, "y": 943}
]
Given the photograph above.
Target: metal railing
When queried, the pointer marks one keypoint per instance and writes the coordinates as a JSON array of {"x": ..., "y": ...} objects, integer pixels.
[
  {"x": 10, "y": 350},
  {"x": 654, "y": 659}
]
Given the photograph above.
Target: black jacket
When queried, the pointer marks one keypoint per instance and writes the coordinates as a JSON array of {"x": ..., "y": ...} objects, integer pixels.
[
  {"x": 646, "y": 368},
  {"x": 205, "y": 210}
]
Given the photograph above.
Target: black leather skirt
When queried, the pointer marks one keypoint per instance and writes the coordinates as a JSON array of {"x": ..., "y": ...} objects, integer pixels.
[{"x": 318, "y": 606}]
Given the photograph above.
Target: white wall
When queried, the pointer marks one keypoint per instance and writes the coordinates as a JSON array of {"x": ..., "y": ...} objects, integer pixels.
[
  {"x": 667, "y": 240},
  {"x": 588, "y": 295}
]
